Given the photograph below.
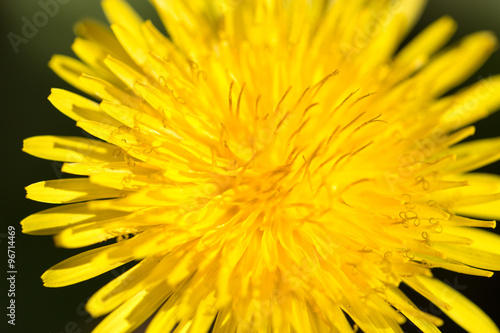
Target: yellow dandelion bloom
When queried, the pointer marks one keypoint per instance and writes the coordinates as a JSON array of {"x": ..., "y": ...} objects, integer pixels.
[{"x": 272, "y": 166}]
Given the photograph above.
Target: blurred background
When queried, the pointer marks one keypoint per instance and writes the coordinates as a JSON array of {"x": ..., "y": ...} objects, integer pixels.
[{"x": 25, "y": 84}]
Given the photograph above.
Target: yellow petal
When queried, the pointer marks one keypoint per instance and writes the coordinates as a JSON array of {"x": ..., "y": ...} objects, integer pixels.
[
  {"x": 103, "y": 36},
  {"x": 470, "y": 256},
  {"x": 122, "y": 181},
  {"x": 299, "y": 317},
  {"x": 132, "y": 117},
  {"x": 123, "y": 167},
  {"x": 103, "y": 90},
  {"x": 460, "y": 221},
  {"x": 487, "y": 210},
  {"x": 473, "y": 155},
  {"x": 416, "y": 284},
  {"x": 225, "y": 322},
  {"x": 160, "y": 45},
  {"x": 471, "y": 104},
  {"x": 339, "y": 320},
  {"x": 77, "y": 107},
  {"x": 93, "y": 55},
  {"x": 466, "y": 58},
  {"x": 383, "y": 46},
  {"x": 121, "y": 136},
  {"x": 93, "y": 233},
  {"x": 82, "y": 267},
  {"x": 53, "y": 220},
  {"x": 68, "y": 190},
  {"x": 369, "y": 319},
  {"x": 125, "y": 138},
  {"x": 136, "y": 47},
  {"x": 120, "y": 289},
  {"x": 462, "y": 311},
  {"x": 412, "y": 10},
  {"x": 135, "y": 310},
  {"x": 449, "y": 263},
  {"x": 190, "y": 23},
  {"x": 479, "y": 199},
  {"x": 85, "y": 169},
  {"x": 426, "y": 322},
  {"x": 203, "y": 318},
  {"x": 69, "y": 149},
  {"x": 157, "y": 99},
  {"x": 70, "y": 70},
  {"x": 417, "y": 53},
  {"x": 482, "y": 240},
  {"x": 167, "y": 317},
  {"x": 95, "y": 262},
  {"x": 118, "y": 11},
  {"x": 126, "y": 74}
]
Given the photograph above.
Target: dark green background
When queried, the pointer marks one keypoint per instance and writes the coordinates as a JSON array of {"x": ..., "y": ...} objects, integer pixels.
[{"x": 25, "y": 84}]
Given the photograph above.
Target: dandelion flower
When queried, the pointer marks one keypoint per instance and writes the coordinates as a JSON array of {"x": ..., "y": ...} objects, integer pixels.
[{"x": 272, "y": 166}]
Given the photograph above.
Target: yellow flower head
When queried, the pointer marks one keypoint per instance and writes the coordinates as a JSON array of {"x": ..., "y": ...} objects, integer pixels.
[{"x": 272, "y": 166}]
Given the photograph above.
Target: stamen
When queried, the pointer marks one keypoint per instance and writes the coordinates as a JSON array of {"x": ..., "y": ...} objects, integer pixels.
[
  {"x": 353, "y": 121},
  {"x": 297, "y": 131},
  {"x": 281, "y": 121},
  {"x": 363, "y": 97},
  {"x": 163, "y": 118},
  {"x": 117, "y": 152},
  {"x": 361, "y": 149},
  {"x": 349, "y": 156},
  {"x": 282, "y": 99},
  {"x": 345, "y": 100},
  {"x": 302, "y": 96},
  {"x": 230, "y": 97},
  {"x": 239, "y": 99},
  {"x": 369, "y": 122},
  {"x": 256, "y": 110},
  {"x": 192, "y": 64},
  {"x": 202, "y": 75},
  {"x": 332, "y": 135},
  {"x": 222, "y": 131},
  {"x": 320, "y": 84},
  {"x": 324, "y": 163},
  {"x": 339, "y": 160},
  {"x": 349, "y": 186},
  {"x": 307, "y": 109}
]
